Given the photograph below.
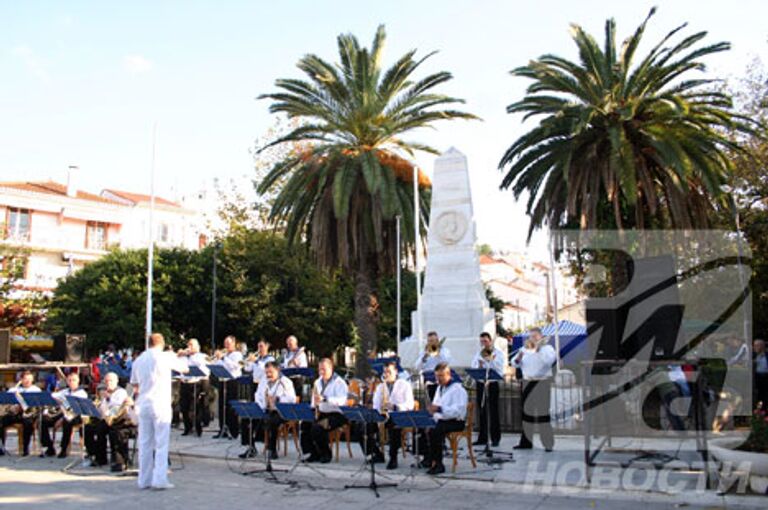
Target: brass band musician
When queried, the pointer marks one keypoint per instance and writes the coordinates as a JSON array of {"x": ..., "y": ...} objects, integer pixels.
[
  {"x": 18, "y": 414},
  {"x": 230, "y": 358},
  {"x": 328, "y": 393},
  {"x": 64, "y": 419},
  {"x": 493, "y": 358},
  {"x": 114, "y": 403},
  {"x": 393, "y": 394},
  {"x": 194, "y": 390},
  {"x": 273, "y": 389},
  {"x": 434, "y": 353},
  {"x": 449, "y": 410}
]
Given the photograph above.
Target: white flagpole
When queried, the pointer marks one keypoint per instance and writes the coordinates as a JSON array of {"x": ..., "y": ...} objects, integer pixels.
[
  {"x": 417, "y": 259},
  {"x": 151, "y": 247}
]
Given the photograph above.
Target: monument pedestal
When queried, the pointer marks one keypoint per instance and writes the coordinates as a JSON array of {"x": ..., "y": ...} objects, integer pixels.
[{"x": 453, "y": 298}]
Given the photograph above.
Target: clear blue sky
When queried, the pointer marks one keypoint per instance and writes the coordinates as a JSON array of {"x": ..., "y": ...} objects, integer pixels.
[{"x": 83, "y": 82}]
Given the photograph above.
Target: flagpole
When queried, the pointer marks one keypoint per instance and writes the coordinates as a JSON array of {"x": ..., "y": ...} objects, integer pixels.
[
  {"x": 151, "y": 247},
  {"x": 554, "y": 297},
  {"x": 417, "y": 258}
]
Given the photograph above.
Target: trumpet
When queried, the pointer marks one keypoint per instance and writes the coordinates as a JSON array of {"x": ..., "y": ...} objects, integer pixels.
[
  {"x": 535, "y": 345},
  {"x": 249, "y": 359},
  {"x": 433, "y": 350},
  {"x": 488, "y": 354}
]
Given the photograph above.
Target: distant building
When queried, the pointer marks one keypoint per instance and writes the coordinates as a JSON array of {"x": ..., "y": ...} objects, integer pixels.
[{"x": 63, "y": 228}]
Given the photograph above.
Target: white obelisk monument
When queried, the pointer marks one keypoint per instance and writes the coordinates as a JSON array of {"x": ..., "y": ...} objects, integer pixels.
[{"x": 453, "y": 301}]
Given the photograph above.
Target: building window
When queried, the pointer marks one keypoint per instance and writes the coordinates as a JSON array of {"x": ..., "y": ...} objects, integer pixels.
[
  {"x": 164, "y": 233},
  {"x": 19, "y": 224},
  {"x": 96, "y": 236},
  {"x": 14, "y": 268}
]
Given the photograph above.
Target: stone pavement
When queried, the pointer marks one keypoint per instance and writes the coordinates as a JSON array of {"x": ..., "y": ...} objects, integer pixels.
[{"x": 208, "y": 474}]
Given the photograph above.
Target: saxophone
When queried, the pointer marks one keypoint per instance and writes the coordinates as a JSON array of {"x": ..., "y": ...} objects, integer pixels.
[
  {"x": 116, "y": 414},
  {"x": 385, "y": 398}
]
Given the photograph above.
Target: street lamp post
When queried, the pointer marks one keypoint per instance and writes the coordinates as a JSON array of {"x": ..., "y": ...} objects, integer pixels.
[{"x": 213, "y": 300}]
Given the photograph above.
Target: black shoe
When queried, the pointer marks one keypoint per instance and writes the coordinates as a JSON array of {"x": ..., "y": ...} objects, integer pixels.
[
  {"x": 186, "y": 433},
  {"x": 272, "y": 454},
  {"x": 50, "y": 452},
  {"x": 117, "y": 468},
  {"x": 325, "y": 459},
  {"x": 25, "y": 453},
  {"x": 495, "y": 444},
  {"x": 437, "y": 469},
  {"x": 521, "y": 447},
  {"x": 312, "y": 458},
  {"x": 423, "y": 464},
  {"x": 392, "y": 464},
  {"x": 248, "y": 454},
  {"x": 2, "y": 451},
  {"x": 378, "y": 458},
  {"x": 218, "y": 435},
  {"x": 480, "y": 443},
  {"x": 548, "y": 450},
  {"x": 62, "y": 454}
]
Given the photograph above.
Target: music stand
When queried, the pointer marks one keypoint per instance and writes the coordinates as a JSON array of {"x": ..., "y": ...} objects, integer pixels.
[
  {"x": 81, "y": 407},
  {"x": 224, "y": 376},
  {"x": 364, "y": 416},
  {"x": 299, "y": 413},
  {"x": 486, "y": 376},
  {"x": 415, "y": 420},
  {"x": 39, "y": 400}
]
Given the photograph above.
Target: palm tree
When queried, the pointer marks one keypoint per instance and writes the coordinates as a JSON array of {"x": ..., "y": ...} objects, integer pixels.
[
  {"x": 623, "y": 145},
  {"x": 353, "y": 172}
]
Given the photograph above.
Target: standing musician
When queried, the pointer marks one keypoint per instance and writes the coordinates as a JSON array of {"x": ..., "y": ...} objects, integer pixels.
[
  {"x": 535, "y": 360},
  {"x": 449, "y": 410},
  {"x": 493, "y": 358},
  {"x": 393, "y": 394},
  {"x": 114, "y": 404},
  {"x": 66, "y": 421},
  {"x": 328, "y": 393},
  {"x": 230, "y": 359},
  {"x": 295, "y": 357},
  {"x": 19, "y": 415},
  {"x": 194, "y": 390},
  {"x": 434, "y": 353},
  {"x": 258, "y": 362},
  {"x": 273, "y": 389}
]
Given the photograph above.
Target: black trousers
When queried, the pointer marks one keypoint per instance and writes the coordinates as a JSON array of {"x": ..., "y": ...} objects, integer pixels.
[
  {"x": 761, "y": 389},
  {"x": 536, "y": 399},
  {"x": 96, "y": 435},
  {"x": 314, "y": 436},
  {"x": 493, "y": 408},
  {"x": 26, "y": 431},
  {"x": 431, "y": 390},
  {"x": 226, "y": 413},
  {"x": 194, "y": 406},
  {"x": 436, "y": 438},
  {"x": 66, "y": 431}
]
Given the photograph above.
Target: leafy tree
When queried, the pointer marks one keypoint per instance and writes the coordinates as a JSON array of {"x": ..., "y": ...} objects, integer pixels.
[
  {"x": 623, "y": 144},
  {"x": 21, "y": 310},
  {"x": 342, "y": 193}
]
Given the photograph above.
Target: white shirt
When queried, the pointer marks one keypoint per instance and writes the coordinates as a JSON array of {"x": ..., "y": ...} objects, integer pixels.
[
  {"x": 231, "y": 361},
  {"x": 257, "y": 367},
  {"x": 21, "y": 389},
  {"x": 62, "y": 395},
  {"x": 401, "y": 395},
  {"x": 282, "y": 389},
  {"x": 296, "y": 359},
  {"x": 198, "y": 360},
  {"x": 536, "y": 364},
  {"x": 427, "y": 363},
  {"x": 497, "y": 363},
  {"x": 152, "y": 373},
  {"x": 452, "y": 400},
  {"x": 113, "y": 401},
  {"x": 334, "y": 393}
]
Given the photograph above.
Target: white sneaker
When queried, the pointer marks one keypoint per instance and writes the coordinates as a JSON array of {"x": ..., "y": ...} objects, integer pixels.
[{"x": 163, "y": 486}]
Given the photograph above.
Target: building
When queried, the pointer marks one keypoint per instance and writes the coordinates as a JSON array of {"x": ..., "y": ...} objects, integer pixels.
[{"x": 63, "y": 228}]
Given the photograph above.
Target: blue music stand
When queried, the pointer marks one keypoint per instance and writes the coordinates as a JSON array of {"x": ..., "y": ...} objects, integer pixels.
[
  {"x": 8, "y": 398},
  {"x": 223, "y": 375},
  {"x": 485, "y": 376},
  {"x": 364, "y": 416},
  {"x": 429, "y": 376},
  {"x": 298, "y": 372}
]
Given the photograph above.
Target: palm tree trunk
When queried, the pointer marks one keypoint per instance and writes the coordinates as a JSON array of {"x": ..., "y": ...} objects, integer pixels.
[{"x": 366, "y": 319}]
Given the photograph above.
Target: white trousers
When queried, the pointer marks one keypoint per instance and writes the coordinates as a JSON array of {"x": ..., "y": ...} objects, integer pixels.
[{"x": 154, "y": 434}]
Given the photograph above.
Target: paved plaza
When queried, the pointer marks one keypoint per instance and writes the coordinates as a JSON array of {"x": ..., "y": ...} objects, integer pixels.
[{"x": 208, "y": 474}]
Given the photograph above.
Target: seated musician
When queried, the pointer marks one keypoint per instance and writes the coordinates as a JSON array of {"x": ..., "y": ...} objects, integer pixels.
[
  {"x": 273, "y": 389},
  {"x": 18, "y": 415},
  {"x": 73, "y": 389},
  {"x": 194, "y": 412},
  {"x": 114, "y": 404},
  {"x": 393, "y": 394},
  {"x": 328, "y": 393},
  {"x": 449, "y": 410}
]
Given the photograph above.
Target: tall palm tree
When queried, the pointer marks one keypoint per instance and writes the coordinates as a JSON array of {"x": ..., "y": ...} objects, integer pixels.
[
  {"x": 353, "y": 173},
  {"x": 623, "y": 144}
]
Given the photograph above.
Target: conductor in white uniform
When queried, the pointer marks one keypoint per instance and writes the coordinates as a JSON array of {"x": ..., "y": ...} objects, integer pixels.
[{"x": 151, "y": 379}]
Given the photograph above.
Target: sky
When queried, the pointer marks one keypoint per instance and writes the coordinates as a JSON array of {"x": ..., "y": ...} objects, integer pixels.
[{"x": 83, "y": 83}]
